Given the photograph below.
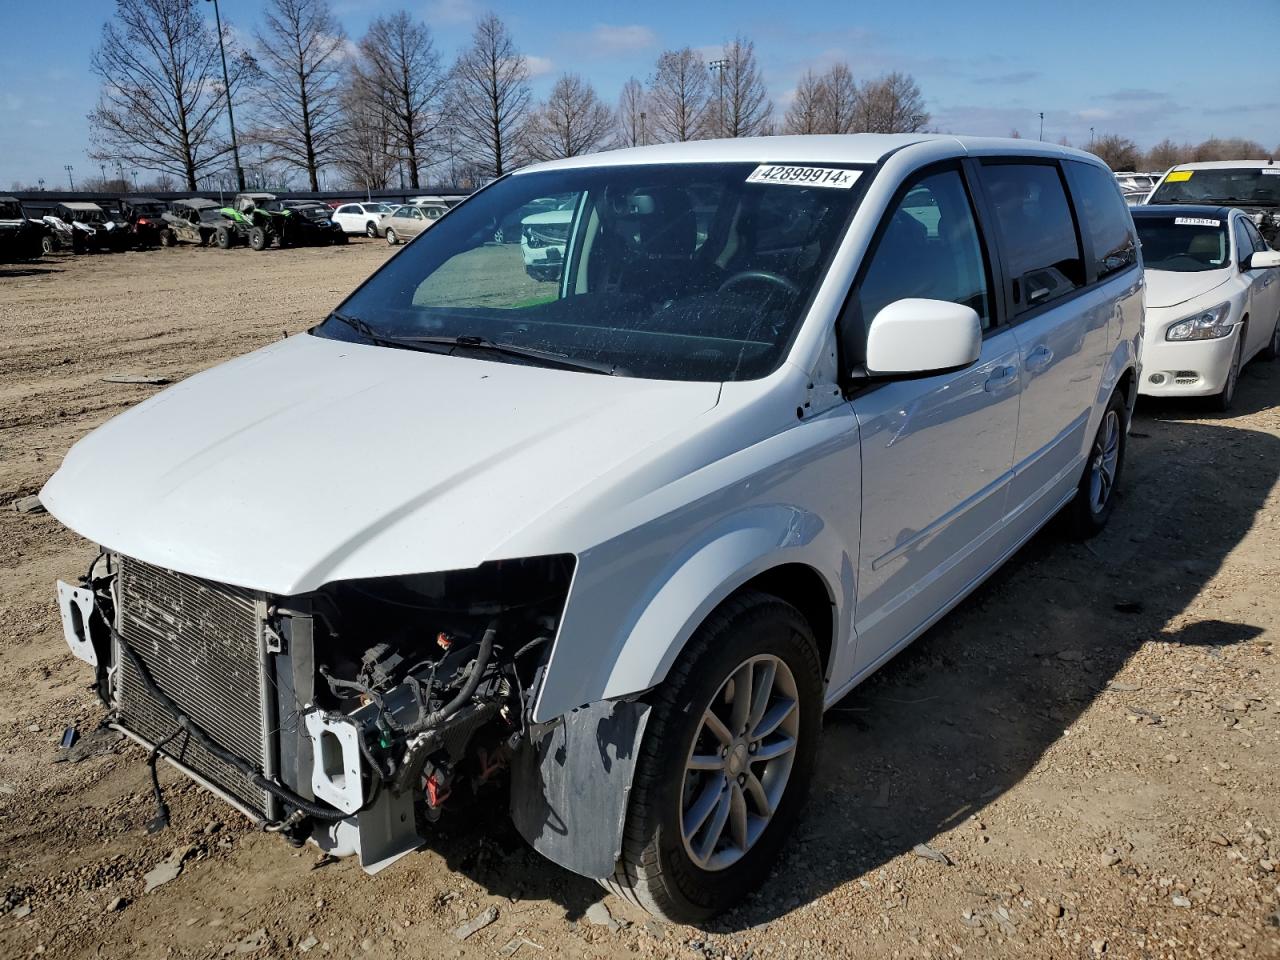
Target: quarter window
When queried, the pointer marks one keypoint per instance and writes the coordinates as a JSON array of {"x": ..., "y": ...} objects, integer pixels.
[
  {"x": 1037, "y": 233},
  {"x": 1104, "y": 218},
  {"x": 929, "y": 247}
]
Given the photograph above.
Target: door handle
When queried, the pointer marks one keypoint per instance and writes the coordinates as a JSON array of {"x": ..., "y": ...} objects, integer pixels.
[
  {"x": 1001, "y": 377},
  {"x": 1038, "y": 359}
]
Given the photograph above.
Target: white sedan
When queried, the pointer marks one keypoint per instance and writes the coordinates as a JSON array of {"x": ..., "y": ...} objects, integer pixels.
[
  {"x": 366, "y": 218},
  {"x": 1213, "y": 299}
]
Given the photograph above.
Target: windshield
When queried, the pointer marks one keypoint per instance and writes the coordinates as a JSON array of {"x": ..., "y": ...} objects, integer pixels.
[
  {"x": 676, "y": 272},
  {"x": 10, "y": 211},
  {"x": 1242, "y": 186},
  {"x": 376, "y": 208},
  {"x": 1183, "y": 244}
]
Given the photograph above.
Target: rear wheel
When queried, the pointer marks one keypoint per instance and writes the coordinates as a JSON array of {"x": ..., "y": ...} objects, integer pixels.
[
  {"x": 1222, "y": 400},
  {"x": 224, "y": 238},
  {"x": 392, "y": 239},
  {"x": 258, "y": 238},
  {"x": 726, "y": 761},
  {"x": 1095, "y": 496},
  {"x": 371, "y": 230},
  {"x": 48, "y": 245}
]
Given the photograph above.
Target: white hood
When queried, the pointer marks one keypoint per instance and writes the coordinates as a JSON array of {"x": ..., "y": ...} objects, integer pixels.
[
  {"x": 1167, "y": 288},
  {"x": 314, "y": 460}
]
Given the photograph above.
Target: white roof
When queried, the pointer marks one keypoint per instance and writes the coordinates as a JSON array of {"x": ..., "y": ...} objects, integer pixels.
[
  {"x": 1224, "y": 164},
  {"x": 825, "y": 148},
  {"x": 78, "y": 205}
]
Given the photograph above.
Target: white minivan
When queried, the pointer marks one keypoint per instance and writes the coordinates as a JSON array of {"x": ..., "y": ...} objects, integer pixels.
[{"x": 611, "y": 544}]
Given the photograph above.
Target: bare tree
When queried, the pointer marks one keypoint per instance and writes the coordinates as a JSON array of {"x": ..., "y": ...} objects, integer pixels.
[
  {"x": 490, "y": 96},
  {"x": 741, "y": 107},
  {"x": 678, "y": 96},
  {"x": 1166, "y": 154},
  {"x": 401, "y": 69},
  {"x": 1117, "y": 152},
  {"x": 891, "y": 104},
  {"x": 804, "y": 115},
  {"x": 366, "y": 152},
  {"x": 838, "y": 104},
  {"x": 162, "y": 99},
  {"x": 300, "y": 54},
  {"x": 570, "y": 123},
  {"x": 633, "y": 108}
]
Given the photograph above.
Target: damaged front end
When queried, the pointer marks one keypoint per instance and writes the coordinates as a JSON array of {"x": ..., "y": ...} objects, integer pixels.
[{"x": 352, "y": 715}]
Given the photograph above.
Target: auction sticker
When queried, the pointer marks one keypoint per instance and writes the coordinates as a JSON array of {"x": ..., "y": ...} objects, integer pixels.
[
  {"x": 1196, "y": 222},
  {"x": 1271, "y": 171},
  {"x": 804, "y": 176},
  {"x": 1178, "y": 176}
]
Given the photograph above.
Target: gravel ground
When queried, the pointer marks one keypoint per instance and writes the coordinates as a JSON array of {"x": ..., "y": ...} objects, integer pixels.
[{"x": 1091, "y": 741}]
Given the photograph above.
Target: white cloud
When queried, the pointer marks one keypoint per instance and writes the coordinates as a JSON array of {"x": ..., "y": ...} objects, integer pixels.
[
  {"x": 610, "y": 38},
  {"x": 539, "y": 66}
]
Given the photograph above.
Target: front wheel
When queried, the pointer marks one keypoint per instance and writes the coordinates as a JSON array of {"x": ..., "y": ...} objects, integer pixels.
[
  {"x": 48, "y": 245},
  {"x": 1272, "y": 349},
  {"x": 1222, "y": 400},
  {"x": 257, "y": 238},
  {"x": 725, "y": 766},
  {"x": 224, "y": 238},
  {"x": 392, "y": 239},
  {"x": 1095, "y": 496}
]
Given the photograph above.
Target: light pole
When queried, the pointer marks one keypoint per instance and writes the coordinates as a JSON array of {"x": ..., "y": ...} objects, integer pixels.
[
  {"x": 1091, "y": 138},
  {"x": 718, "y": 67},
  {"x": 1041, "y": 126},
  {"x": 67, "y": 167},
  {"x": 226, "y": 86}
]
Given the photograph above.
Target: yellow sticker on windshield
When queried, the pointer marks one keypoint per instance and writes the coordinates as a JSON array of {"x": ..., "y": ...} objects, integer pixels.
[{"x": 1177, "y": 176}]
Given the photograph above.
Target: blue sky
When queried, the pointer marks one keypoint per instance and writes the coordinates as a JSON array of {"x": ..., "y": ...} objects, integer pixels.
[{"x": 985, "y": 66}]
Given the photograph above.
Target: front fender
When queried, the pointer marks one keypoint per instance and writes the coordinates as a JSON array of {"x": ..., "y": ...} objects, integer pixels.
[{"x": 634, "y": 651}]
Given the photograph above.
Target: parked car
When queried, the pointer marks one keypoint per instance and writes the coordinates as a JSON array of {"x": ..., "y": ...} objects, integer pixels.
[
  {"x": 409, "y": 220},
  {"x": 366, "y": 218},
  {"x": 627, "y": 537},
  {"x": 195, "y": 220},
  {"x": 542, "y": 240},
  {"x": 1251, "y": 185},
  {"x": 305, "y": 223},
  {"x": 1213, "y": 300},
  {"x": 21, "y": 238}
]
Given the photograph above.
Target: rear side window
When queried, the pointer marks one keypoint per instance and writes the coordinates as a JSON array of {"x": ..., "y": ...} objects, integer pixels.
[
  {"x": 928, "y": 247},
  {"x": 1104, "y": 218},
  {"x": 1037, "y": 232}
]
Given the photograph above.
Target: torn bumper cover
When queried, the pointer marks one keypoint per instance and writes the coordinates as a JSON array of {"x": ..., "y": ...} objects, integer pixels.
[{"x": 359, "y": 714}]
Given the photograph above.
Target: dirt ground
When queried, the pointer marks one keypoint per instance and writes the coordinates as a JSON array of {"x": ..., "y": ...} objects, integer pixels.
[{"x": 1092, "y": 740}]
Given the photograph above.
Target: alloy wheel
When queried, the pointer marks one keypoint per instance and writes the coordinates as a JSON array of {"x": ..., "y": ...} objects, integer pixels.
[
  {"x": 1103, "y": 460},
  {"x": 740, "y": 762}
]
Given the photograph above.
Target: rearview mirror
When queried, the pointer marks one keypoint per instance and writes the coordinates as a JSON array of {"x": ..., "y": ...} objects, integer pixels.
[
  {"x": 1263, "y": 259},
  {"x": 923, "y": 336}
]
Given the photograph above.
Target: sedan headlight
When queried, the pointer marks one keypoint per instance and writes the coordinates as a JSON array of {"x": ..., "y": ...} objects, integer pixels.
[{"x": 1209, "y": 325}]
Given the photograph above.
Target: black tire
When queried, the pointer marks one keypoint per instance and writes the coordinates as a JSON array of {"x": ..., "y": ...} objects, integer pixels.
[
  {"x": 257, "y": 238},
  {"x": 224, "y": 238},
  {"x": 1272, "y": 349},
  {"x": 371, "y": 230},
  {"x": 1085, "y": 517},
  {"x": 340, "y": 239},
  {"x": 392, "y": 239},
  {"x": 655, "y": 871},
  {"x": 1222, "y": 400},
  {"x": 48, "y": 245}
]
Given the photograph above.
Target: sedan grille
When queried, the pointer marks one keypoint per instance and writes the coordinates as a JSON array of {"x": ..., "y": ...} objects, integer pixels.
[{"x": 201, "y": 644}]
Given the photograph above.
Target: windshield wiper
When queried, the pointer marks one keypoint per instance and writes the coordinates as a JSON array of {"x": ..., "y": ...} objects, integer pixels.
[
  {"x": 1236, "y": 201},
  {"x": 513, "y": 350}
]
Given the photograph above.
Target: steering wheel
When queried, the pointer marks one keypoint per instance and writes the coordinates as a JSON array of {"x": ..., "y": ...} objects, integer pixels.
[{"x": 749, "y": 276}]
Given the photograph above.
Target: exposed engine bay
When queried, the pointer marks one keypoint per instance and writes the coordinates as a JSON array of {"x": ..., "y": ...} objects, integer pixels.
[{"x": 354, "y": 716}]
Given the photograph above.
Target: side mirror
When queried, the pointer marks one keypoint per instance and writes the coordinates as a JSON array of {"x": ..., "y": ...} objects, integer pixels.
[
  {"x": 1263, "y": 259},
  {"x": 923, "y": 336}
]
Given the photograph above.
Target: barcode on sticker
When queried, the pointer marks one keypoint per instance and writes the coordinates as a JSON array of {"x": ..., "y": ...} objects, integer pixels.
[
  {"x": 1196, "y": 222},
  {"x": 1271, "y": 171},
  {"x": 804, "y": 176}
]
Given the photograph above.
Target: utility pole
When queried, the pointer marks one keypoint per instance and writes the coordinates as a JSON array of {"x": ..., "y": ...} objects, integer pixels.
[
  {"x": 1041, "y": 126},
  {"x": 717, "y": 67},
  {"x": 67, "y": 167},
  {"x": 226, "y": 86}
]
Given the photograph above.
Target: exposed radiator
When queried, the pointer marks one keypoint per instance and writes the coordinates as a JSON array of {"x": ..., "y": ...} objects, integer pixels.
[{"x": 201, "y": 642}]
